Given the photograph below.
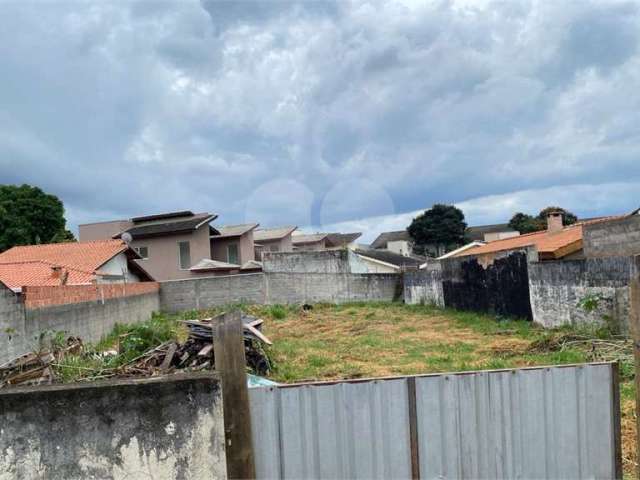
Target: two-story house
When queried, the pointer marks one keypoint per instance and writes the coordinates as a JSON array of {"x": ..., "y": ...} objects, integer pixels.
[{"x": 169, "y": 244}]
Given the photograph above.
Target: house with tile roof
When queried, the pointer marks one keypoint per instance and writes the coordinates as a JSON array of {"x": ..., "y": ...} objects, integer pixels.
[
  {"x": 489, "y": 233},
  {"x": 342, "y": 240},
  {"x": 315, "y": 242},
  {"x": 400, "y": 242},
  {"x": 73, "y": 263},
  {"x": 310, "y": 242},
  {"x": 277, "y": 239},
  {"x": 557, "y": 242},
  {"x": 169, "y": 244},
  {"x": 234, "y": 244}
]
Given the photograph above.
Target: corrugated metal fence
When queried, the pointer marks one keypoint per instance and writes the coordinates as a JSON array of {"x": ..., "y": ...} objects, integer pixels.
[{"x": 557, "y": 422}]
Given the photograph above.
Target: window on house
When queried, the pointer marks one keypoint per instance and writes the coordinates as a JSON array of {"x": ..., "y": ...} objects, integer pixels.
[
  {"x": 143, "y": 252},
  {"x": 232, "y": 254},
  {"x": 184, "y": 255},
  {"x": 274, "y": 248}
]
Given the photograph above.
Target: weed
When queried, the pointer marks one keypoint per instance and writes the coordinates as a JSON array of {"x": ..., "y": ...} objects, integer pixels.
[{"x": 278, "y": 312}]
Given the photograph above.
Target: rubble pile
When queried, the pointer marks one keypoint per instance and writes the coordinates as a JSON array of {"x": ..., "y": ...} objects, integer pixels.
[
  {"x": 194, "y": 354},
  {"x": 36, "y": 368}
]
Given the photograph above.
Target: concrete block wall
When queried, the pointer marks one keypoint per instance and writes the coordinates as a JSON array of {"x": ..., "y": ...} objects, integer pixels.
[
  {"x": 90, "y": 320},
  {"x": 424, "y": 286},
  {"x": 273, "y": 288},
  {"x": 200, "y": 293},
  {"x": 497, "y": 284},
  {"x": 558, "y": 291},
  {"x": 612, "y": 238},
  {"x": 327, "y": 261},
  {"x": 22, "y": 327},
  {"x": 12, "y": 328},
  {"x": 164, "y": 428}
]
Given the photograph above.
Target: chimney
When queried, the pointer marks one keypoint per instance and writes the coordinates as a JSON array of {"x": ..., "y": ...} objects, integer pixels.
[
  {"x": 554, "y": 221},
  {"x": 57, "y": 270}
]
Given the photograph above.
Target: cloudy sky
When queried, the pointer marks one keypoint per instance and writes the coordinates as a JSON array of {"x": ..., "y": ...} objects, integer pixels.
[{"x": 349, "y": 114}]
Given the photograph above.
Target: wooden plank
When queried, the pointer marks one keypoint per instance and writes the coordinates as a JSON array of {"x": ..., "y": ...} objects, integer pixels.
[
  {"x": 634, "y": 326},
  {"x": 258, "y": 334},
  {"x": 230, "y": 363},
  {"x": 413, "y": 428},
  {"x": 166, "y": 363}
]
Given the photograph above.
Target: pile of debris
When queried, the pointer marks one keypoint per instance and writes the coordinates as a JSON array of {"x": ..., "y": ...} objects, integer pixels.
[
  {"x": 195, "y": 354},
  {"x": 37, "y": 368}
]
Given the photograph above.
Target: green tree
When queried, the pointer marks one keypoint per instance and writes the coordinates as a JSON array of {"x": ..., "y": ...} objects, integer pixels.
[
  {"x": 527, "y": 223},
  {"x": 29, "y": 216},
  {"x": 441, "y": 225},
  {"x": 64, "y": 236}
]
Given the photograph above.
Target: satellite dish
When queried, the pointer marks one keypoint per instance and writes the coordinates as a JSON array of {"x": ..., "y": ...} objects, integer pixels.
[{"x": 126, "y": 237}]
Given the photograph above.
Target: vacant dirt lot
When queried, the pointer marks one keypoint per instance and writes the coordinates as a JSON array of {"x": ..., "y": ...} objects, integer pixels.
[{"x": 370, "y": 340}]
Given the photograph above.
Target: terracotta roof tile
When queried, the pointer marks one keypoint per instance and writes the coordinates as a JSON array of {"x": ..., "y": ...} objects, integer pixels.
[
  {"x": 33, "y": 264},
  {"x": 28, "y": 274},
  {"x": 550, "y": 244}
]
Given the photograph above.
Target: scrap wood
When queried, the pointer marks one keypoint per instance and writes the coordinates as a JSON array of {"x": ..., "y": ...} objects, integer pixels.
[
  {"x": 257, "y": 333},
  {"x": 168, "y": 357}
]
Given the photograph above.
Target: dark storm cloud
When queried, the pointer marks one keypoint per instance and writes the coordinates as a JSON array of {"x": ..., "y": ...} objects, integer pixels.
[{"x": 321, "y": 112}]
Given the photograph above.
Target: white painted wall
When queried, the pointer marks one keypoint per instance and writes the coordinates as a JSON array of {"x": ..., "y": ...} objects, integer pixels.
[
  {"x": 118, "y": 265},
  {"x": 401, "y": 247},
  {"x": 374, "y": 266}
]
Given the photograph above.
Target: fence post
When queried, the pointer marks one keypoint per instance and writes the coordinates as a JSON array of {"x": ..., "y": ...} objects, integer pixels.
[
  {"x": 634, "y": 327},
  {"x": 413, "y": 428},
  {"x": 231, "y": 365}
]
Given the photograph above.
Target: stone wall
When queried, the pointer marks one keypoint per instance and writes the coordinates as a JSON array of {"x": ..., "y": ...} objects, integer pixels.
[
  {"x": 87, "y": 320},
  {"x": 498, "y": 284},
  {"x": 168, "y": 427},
  {"x": 592, "y": 291},
  {"x": 11, "y": 325},
  {"x": 424, "y": 286},
  {"x": 613, "y": 238},
  {"x": 274, "y": 288}
]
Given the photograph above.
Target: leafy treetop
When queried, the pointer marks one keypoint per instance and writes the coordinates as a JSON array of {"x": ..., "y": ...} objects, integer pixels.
[
  {"x": 440, "y": 225},
  {"x": 30, "y": 216},
  {"x": 526, "y": 223}
]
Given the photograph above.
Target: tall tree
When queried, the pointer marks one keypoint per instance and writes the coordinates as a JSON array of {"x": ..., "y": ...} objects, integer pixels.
[
  {"x": 29, "y": 216},
  {"x": 527, "y": 223},
  {"x": 441, "y": 225}
]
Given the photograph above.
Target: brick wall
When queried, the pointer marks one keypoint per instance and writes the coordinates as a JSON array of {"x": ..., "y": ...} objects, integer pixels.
[{"x": 38, "y": 297}]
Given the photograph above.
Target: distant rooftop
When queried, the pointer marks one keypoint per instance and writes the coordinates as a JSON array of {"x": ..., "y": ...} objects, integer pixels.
[
  {"x": 235, "y": 230},
  {"x": 172, "y": 225},
  {"x": 391, "y": 258},
  {"x": 478, "y": 232},
  {"x": 342, "y": 239},
  {"x": 276, "y": 233},
  {"x": 162, "y": 216},
  {"x": 386, "y": 237},
  {"x": 308, "y": 238}
]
